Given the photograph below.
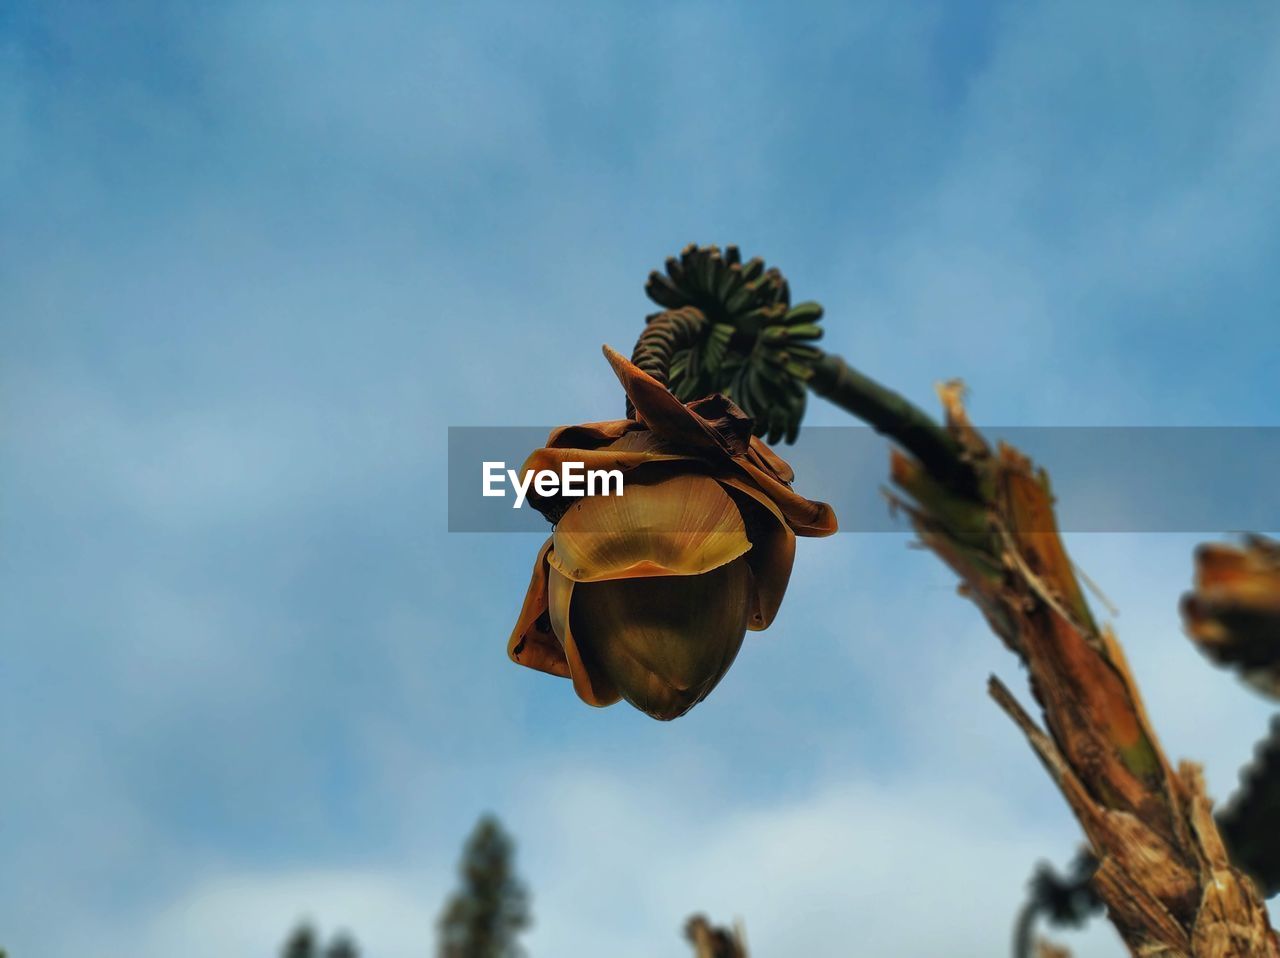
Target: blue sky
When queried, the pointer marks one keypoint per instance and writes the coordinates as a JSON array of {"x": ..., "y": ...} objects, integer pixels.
[{"x": 256, "y": 258}]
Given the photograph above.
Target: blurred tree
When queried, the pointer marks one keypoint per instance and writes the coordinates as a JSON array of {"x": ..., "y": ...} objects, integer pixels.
[
  {"x": 342, "y": 946},
  {"x": 485, "y": 916},
  {"x": 304, "y": 943},
  {"x": 301, "y": 944}
]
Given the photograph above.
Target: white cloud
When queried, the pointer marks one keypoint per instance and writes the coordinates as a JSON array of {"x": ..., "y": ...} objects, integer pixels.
[{"x": 391, "y": 914}]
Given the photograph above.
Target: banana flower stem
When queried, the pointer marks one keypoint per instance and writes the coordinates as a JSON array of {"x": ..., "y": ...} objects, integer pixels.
[
  {"x": 889, "y": 413},
  {"x": 893, "y": 415}
]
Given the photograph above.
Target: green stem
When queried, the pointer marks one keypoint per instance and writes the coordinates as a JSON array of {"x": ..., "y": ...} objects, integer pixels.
[
  {"x": 887, "y": 412},
  {"x": 892, "y": 415},
  {"x": 1023, "y": 930}
]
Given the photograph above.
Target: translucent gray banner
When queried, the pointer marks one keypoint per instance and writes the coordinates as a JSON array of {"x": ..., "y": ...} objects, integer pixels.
[{"x": 1106, "y": 479}]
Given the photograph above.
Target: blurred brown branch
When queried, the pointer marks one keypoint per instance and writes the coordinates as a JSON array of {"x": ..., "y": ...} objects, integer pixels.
[
  {"x": 711, "y": 942},
  {"x": 1233, "y": 613},
  {"x": 1163, "y": 871}
]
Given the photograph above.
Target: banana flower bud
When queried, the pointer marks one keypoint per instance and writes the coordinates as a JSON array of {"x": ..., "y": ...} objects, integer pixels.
[{"x": 646, "y": 596}]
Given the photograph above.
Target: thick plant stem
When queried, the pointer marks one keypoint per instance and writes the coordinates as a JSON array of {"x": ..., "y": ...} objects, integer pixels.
[
  {"x": 1163, "y": 871},
  {"x": 887, "y": 412}
]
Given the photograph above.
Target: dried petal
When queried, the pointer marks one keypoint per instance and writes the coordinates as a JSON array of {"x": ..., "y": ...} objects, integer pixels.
[
  {"x": 532, "y": 642},
  {"x": 773, "y": 552},
  {"x": 593, "y": 687}
]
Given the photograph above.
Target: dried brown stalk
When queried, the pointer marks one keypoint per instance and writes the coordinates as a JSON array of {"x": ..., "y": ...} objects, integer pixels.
[{"x": 1163, "y": 871}]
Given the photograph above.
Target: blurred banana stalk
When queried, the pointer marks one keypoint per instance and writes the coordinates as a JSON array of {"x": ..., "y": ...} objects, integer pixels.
[
  {"x": 1163, "y": 869},
  {"x": 1233, "y": 617},
  {"x": 1250, "y": 821}
]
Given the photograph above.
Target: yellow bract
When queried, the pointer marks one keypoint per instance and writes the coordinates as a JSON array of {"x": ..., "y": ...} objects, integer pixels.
[{"x": 684, "y": 524}]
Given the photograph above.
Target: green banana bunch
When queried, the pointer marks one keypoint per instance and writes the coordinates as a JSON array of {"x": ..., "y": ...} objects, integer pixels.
[{"x": 759, "y": 349}]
